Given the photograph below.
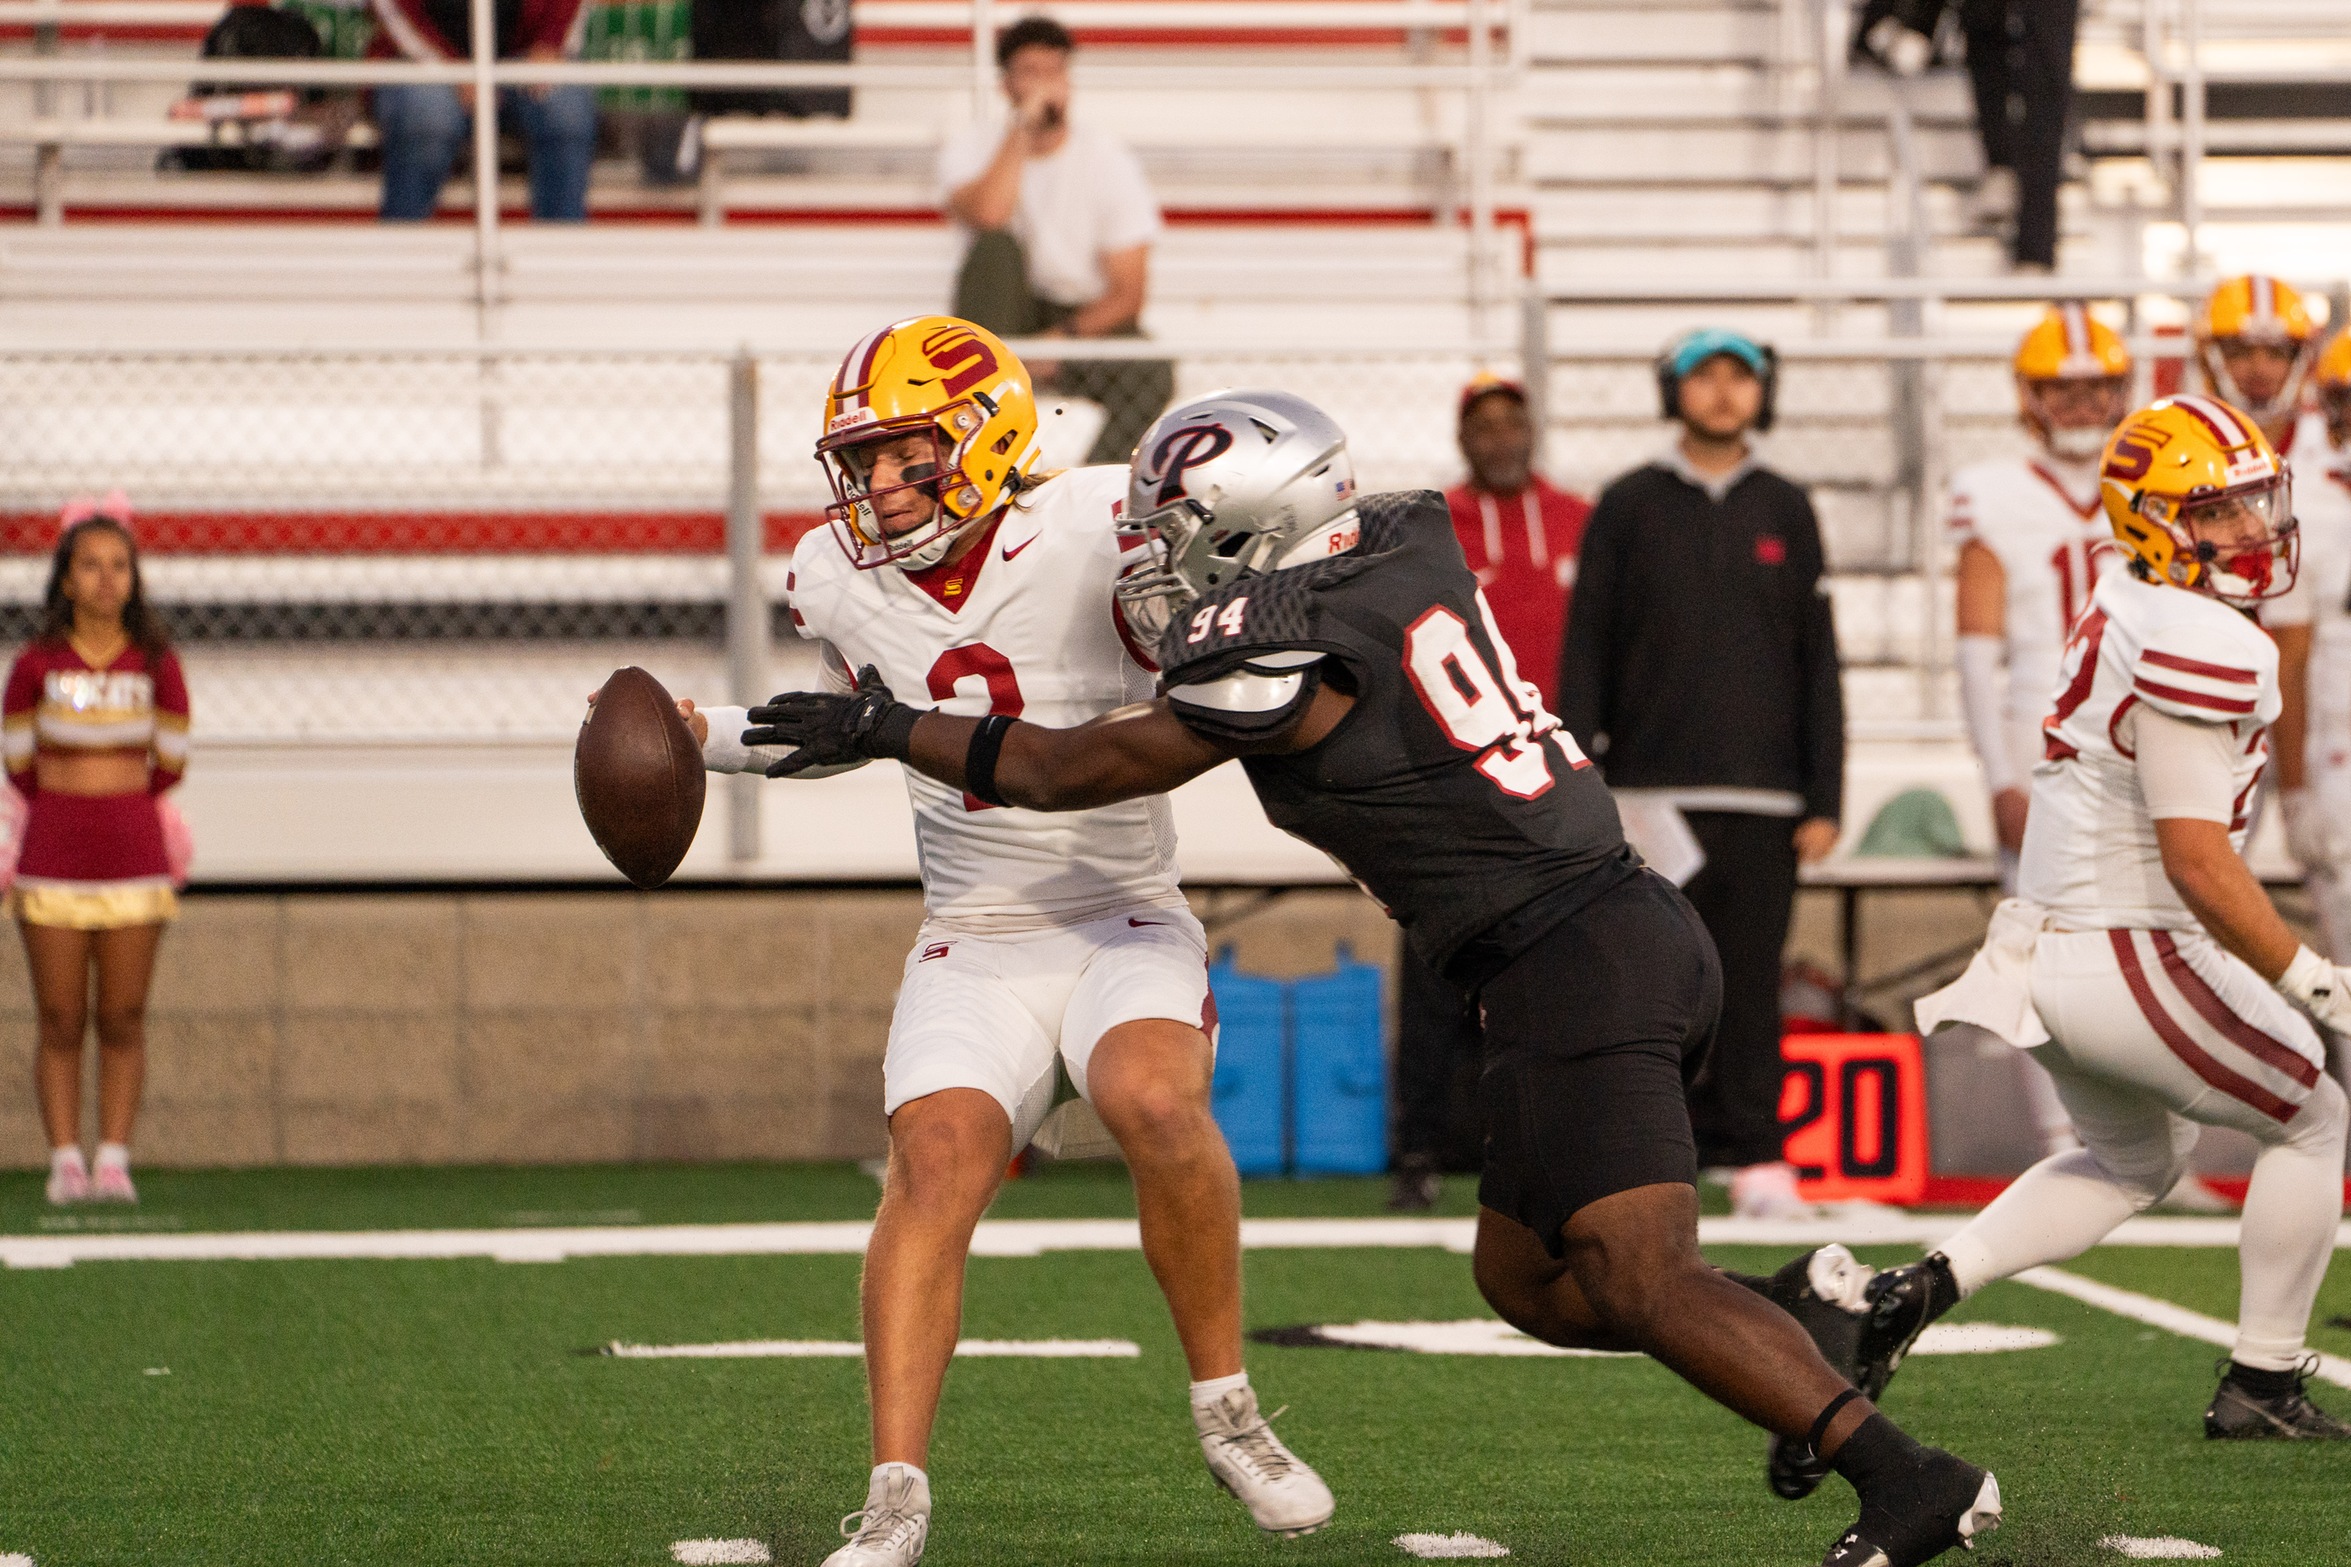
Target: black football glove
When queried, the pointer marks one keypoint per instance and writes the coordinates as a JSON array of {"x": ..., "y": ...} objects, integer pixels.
[{"x": 833, "y": 730}]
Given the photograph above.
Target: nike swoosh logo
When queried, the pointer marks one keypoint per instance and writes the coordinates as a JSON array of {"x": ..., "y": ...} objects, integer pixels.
[
  {"x": 1140, "y": 924},
  {"x": 1011, "y": 550}
]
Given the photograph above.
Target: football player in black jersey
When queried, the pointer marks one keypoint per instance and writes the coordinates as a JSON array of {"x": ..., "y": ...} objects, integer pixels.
[{"x": 1341, "y": 649}]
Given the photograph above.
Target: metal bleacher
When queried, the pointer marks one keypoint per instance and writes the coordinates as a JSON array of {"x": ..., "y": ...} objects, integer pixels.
[{"x": 1369, "y": 199}]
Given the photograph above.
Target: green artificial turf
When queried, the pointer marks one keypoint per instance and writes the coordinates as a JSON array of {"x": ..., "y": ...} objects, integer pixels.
[{"x": 412, "y": 1414}]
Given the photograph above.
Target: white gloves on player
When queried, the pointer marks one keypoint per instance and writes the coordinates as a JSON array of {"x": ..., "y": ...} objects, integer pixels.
[
  {"x": 2321, "y": 988},
  {"x": 2310, "y": 836}
]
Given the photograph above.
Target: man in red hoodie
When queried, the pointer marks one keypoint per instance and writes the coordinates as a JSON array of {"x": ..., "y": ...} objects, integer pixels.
[
  {"x": 1519, "y": 533},
  {"x": 426, "y": 125}
]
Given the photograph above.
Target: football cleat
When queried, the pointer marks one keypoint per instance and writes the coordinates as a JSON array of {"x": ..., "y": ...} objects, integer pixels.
[
  {"x": 890, "y": 1530},
  {"x": 1282, "y": 1494},
  {"x": 1943, "y": 1502},
  {"x": 1902, "y": 1302},
  {"x": 1417, "y": 1185},
  {"x": 1826, "y": 1291},
  {"x": 2237, "y": 1413}
]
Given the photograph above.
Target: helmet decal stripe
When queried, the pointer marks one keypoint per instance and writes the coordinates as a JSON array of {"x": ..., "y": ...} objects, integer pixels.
[
  {"x": 2265, "y": 301},
  {"x": 2077, "y": 332},
  {"x": 2217, "y": 417}
]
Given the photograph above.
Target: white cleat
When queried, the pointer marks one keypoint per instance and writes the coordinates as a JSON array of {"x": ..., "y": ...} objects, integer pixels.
[
  {"x": 895, "y": 1522},
  {"x": 69, "y": 1182},
  {"x": 112, "y": 1183},
  {"x": 1284, "y": 1495}
]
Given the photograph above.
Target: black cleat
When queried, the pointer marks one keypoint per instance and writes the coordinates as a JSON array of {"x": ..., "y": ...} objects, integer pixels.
[
  {"x": 1824, "y": 1290},
  {"x": 2240, "y": 1413},
  {"x": 1944, "y": 1501},
  {"x": 1417, "y": 1185},
  {"x": 1902, "y": 1302}
]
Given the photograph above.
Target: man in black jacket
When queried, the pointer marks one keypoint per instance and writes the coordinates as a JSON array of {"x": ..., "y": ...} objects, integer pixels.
[{"x": 1700, "y": 668}]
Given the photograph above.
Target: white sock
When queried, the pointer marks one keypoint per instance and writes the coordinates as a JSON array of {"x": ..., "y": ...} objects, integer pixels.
[
  {"x": 67, "y": 1158},
  {"x": 1204, "y": 1394},
  {"x": 2288, "y": 1234},
  {"x": 114, "y": 1155},
  {"x": 2058, "y": 1209},
  {"x": 883, "y": 1474}
]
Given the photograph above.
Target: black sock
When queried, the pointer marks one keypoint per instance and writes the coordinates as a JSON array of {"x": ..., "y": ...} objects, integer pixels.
[
  {"x": 1878, "y": 1450},
  {"x": 2259, "y": 1383},
  {"x": 1942, "y": 1286}
]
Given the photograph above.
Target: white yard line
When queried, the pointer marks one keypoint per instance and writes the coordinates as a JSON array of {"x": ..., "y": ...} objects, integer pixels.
[
  {"x": 2160, "y": 1314},
  {"x": 2159, "y": 1548},
  {"x": 1438, "y": 1547},
  {"x": 717, "y": 1553},
  {"x": 994, "y": 1238},
  {"x": 850, "y": 1349}
]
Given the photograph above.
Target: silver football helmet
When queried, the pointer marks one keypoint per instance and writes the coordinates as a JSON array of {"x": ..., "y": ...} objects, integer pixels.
[{"x": 1225, "y": 486}]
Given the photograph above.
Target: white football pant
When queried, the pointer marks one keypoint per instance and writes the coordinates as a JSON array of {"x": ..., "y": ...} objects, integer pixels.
[{"x": 2156, "y": 1032}]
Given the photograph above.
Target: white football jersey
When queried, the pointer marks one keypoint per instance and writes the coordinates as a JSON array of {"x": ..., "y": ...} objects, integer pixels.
[
  {"x": 1030, "y": 633},
  {"x": 2042, "y": 520},
  {"x": 2321, "y": 595},
  {"x": 2090, "y": 854}
]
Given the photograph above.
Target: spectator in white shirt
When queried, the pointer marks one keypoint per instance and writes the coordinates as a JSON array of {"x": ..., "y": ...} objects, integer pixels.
[{"x": 1061, "y": 222}]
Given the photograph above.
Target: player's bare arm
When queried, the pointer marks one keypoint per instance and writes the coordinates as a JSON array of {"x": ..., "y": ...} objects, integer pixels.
[
  {"x": 1140, "y": 750},
  {"x": 2221, "y": 891}
]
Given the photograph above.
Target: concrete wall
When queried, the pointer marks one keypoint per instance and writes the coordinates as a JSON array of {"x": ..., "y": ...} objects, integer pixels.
[{"x": 549, "y": 1027}]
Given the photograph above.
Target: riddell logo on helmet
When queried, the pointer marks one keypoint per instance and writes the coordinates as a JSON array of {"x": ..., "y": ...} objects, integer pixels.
[{"x": 847, "y": 419}]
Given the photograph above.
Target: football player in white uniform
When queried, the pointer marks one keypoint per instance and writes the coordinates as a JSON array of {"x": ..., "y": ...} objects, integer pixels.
[
  {"x": 2255, "y": 342},
  {"x": 1052, "y": 943},
  {"x": 2312, "y": 625},
  {"x": 2142, "y": 964},
  {"x": 2033, "y": 542}
]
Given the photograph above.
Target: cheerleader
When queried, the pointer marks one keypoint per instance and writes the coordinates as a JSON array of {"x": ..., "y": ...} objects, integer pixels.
[{"x": 95, "y": 722}]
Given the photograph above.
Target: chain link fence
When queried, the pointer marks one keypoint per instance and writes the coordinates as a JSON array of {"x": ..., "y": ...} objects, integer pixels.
[{"x": 392, "y": 546}]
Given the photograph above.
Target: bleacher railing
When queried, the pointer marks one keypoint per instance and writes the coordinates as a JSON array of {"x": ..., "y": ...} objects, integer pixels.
[{"x": 1477, "y": 79}]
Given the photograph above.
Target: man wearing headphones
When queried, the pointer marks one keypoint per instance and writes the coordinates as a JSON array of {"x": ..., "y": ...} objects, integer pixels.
[{"x": 1700, "y": 673}]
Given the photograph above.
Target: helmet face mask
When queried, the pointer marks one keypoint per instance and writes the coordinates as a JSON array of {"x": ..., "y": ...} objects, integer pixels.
[
  {"x": 921, "y": 541},
  {"x": 1227, "y": 486},
  {"x": 2232, "y": 544}
]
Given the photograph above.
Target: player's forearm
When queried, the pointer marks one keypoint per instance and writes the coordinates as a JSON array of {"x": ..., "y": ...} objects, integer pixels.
[
  {"x": 1125, "y": 755},
  {"x": 2223, "y": 894}
]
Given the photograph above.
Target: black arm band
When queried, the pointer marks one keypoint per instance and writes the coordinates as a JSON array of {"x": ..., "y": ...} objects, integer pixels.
[{"x": 979, "y": 759}]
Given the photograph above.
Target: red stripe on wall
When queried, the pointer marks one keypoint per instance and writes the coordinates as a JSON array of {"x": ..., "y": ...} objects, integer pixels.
[{"x": 419, "y": 533}]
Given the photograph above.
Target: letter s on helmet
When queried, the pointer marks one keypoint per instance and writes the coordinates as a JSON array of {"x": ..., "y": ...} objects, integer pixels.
[
  {"x": 2190, "y": 456},
  {"x": 970, "y": 393}
]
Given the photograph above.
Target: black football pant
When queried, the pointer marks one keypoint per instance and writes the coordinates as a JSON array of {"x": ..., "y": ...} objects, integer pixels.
[
  {"x": 1744, "y": 893},
  {"x": 2020, "y": 61},
  {"x": 1439, "y": 1049}
]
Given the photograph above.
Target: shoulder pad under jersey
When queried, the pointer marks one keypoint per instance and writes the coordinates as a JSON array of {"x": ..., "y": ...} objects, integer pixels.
[
  {"x": 2198, "y": 659},
  {"x": 1262, "y": 695}
]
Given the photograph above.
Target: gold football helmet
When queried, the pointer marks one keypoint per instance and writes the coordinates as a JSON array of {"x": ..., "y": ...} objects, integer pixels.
[
  {"x": 2332, "y": 379},
  {"x": 2198, "y": 499},
  {"x": 935, "y": 376},
  {"x": 2256, "y": 310},
  {"x": 2068, "y": 364}
]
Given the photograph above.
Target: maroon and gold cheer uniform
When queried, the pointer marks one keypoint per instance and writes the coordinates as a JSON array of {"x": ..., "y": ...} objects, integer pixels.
[{"x": 94, "y": 862}]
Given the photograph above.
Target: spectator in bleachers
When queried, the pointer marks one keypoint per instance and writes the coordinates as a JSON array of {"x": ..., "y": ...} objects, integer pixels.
[
  {"x": 1061, "y": 221},
  {"x": 1519, "y": 533},
  {"x": 2020, "y": 65},
  {"x": 1701, "y": 672},
  {"x": 426, "y": 126}
]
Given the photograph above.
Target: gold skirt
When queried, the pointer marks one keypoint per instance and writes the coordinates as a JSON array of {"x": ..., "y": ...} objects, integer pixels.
[{"x": 93, "y": 905}]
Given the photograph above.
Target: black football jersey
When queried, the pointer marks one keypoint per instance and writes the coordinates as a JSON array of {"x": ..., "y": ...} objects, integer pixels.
[{"x": 1447, "y": 791}]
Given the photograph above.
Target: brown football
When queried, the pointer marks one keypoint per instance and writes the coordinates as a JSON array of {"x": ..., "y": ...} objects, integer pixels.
[{"x": 638, "y": 775}]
